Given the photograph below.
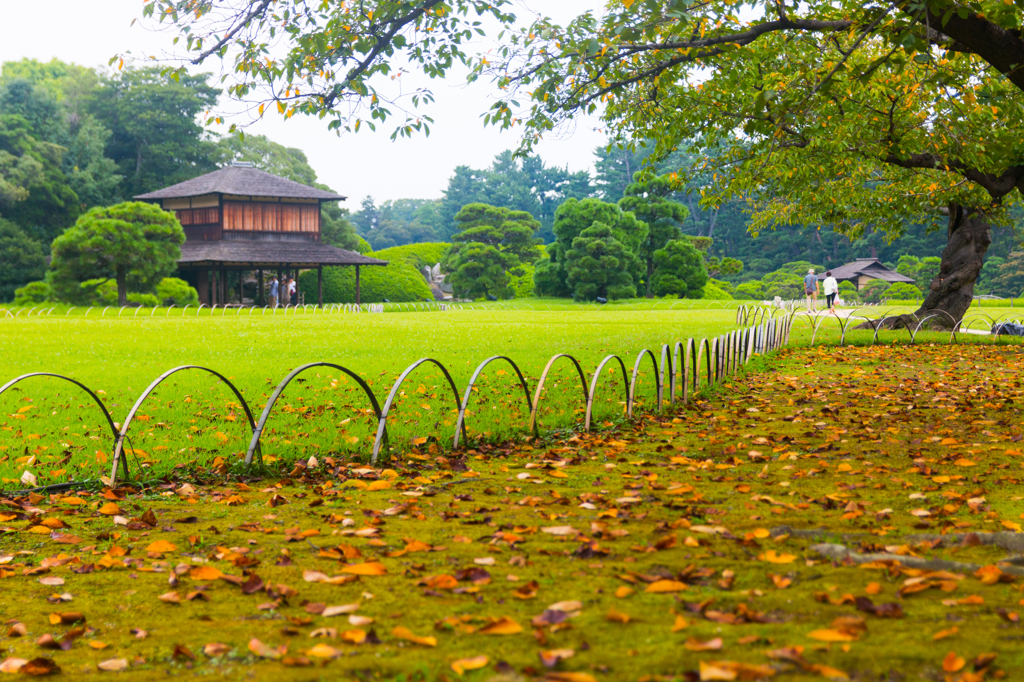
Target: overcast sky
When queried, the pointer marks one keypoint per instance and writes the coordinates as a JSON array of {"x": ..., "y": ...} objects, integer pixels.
[{"x": 365, "y": 164}]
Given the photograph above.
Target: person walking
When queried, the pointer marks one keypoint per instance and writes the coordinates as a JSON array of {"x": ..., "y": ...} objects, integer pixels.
[
  {"x": 831, "y": 289},
  {"x": 275, "y": 289},
  {"x": 292, "y": 292},
  {"x": 811, "y": 289}
]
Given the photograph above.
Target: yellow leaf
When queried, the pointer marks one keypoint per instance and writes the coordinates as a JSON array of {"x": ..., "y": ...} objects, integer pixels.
[
  {"x": 829, "y": 635},
  {"x": 771, "y": 557},
  {"x": 379, "y": 485},
  {"x": 666, "y": 586},
  {"x": 161, "y": 546},
  {"x": 680, "y": 624},
  {"x": 404, "y": 633},
  {"x": 463, "y": 664},
  {"x": 369, "y": 568}
]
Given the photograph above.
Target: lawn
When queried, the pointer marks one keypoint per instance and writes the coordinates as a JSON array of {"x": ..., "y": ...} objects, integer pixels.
[
  {"x": 697, "y": 545},
  {"x": 53, "y": 430}
]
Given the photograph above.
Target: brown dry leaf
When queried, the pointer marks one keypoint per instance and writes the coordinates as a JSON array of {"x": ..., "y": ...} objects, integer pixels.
[
  {"x": 12, "y": 665},
  {"x": 502, "y": 626},
  {"x": 617, "y": 617},
  {"x": 182, "y": 653},
  {"x": 68, "y": 618},
  {"x": 113, "y": 665},
  {"x": 551, "y": 657},
  {"x": 40, "y": 666},
  {"x": 463, "y": 664},
  {"x": 265, "y": 651},
  {"x": 339, "y": 610},
  {"x": 170, "y": 598},
  {"x": 404, "y": 633},
  {"x": 51, "y": 581},
  {"x": 694, "y": 644}
]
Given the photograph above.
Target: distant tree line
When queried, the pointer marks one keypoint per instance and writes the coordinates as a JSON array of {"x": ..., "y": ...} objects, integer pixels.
[{"x": 73, "y": 138}]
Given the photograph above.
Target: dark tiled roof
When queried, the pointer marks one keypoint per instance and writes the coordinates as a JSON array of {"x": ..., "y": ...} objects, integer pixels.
[
  {"x": 244, "y": 181},
  {"x": 868, "y": 267},
  {"x": 269, "y": 254}
]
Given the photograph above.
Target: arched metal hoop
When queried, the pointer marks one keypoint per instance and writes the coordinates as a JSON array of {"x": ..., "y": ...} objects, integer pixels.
[
  {"x": 460, "y": 427},
  {"x": 96, "y": 399},
  {"x": 254, "y": 443},
  {"x": 704, "y": 351},
  {"x": 119, "y": 445},
  {"x": 540, "y": 388},
  {"x": 593, "y": 388},
  {"x": 636, "y": 373},
  {"x": 383, "y": 423}
]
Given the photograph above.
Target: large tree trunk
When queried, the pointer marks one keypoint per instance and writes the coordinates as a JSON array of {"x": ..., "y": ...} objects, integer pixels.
[
  {"x": 952, "y": 291},
  {"x": 122, "y": 285},
  {"x": 967, "y": 240}
]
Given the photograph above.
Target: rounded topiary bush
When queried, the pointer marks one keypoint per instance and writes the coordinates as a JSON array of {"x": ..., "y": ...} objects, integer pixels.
[{"x": 395, "y": 282}]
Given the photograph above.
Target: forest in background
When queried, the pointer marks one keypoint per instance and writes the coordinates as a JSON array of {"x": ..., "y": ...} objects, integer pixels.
[{"x": 73, "y": 137}]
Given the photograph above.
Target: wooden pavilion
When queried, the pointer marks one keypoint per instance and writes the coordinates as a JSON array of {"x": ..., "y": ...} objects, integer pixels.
[
  {"x": 863, "y": 270},
  {"x": 240, "y": 219}
]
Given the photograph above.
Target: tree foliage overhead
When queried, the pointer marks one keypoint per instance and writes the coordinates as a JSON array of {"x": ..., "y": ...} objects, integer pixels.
[
  {"x": 134, "y": 244},
  {"x": 339, "y": 60},
  {"x": 21, "y": 259},
  {"x": 833, "y": 113}
]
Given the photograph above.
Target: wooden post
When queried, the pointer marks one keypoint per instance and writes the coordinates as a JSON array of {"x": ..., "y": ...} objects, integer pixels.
[
  {"x": 259, "y": 287},
  {"x": 320, "y": 285},
  {"x": 357, "y": 285},
  {"x": 241, "y": 286},
  {"x": 203, "y": 285},
  {"x": 214, "y": 287},
  {"x": 224, "y": 286}
]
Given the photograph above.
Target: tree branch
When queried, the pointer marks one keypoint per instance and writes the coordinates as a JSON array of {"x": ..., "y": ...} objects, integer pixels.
[{"x": 260, "y": 8}]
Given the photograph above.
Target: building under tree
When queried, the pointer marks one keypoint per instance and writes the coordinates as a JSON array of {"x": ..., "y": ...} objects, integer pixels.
[
  {"x": 241, "y": 219},
  {"x": 863, "y": 270}
]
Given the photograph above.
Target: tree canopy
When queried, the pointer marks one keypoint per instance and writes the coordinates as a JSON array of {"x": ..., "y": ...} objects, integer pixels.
[{"x": 134, "y": 244}]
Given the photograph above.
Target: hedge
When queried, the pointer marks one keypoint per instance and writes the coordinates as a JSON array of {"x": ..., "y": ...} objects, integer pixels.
[{"x": 400, "y": 281}]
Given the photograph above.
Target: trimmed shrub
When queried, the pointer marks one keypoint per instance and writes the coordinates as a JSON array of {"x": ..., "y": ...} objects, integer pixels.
[
  {"x": 32, "y": 293},
  {"x": 417, "y": 255},
  {"x": 522, "y": 286},
  {"x": 397, "y": 282},
  {"x": 714, "y": 292}
]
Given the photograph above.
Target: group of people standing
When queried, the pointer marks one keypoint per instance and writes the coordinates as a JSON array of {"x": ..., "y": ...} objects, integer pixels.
[
  {"x": 283, "y": 292},
  {"x": 830, "y": 285}
]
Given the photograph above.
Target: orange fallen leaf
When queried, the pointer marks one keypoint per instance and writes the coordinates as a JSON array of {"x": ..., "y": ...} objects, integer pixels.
[
  {"x": 694, "y": 644},
  {"x": 830, "y": 635},
  {"x": 369, "y": 568},
  {"x": 205, "y": 573},
  {"x": 680, "y": 624},
  {"x": 953, "y": 663},
  {"x": 503, "y": 626},
  {"x": 772, "y": 557},
  {"x": 161, "y": 546}
]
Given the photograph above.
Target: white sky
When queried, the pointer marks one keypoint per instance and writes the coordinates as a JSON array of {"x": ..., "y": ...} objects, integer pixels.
[{"x": 357, "y": 165}]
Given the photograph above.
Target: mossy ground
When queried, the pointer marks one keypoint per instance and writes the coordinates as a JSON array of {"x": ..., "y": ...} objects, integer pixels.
[{"x": 848, "y": 440}]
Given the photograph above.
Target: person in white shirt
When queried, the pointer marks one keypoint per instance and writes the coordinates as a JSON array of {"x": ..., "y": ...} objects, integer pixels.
[{"x": 831, "y": 287}]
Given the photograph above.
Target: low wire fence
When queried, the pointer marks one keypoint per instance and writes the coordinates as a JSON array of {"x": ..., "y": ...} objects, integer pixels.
[
  {"x": 876, "y": 320},
  {"x": 203, "y": 310},
  {"x": 677, "y": 371}
]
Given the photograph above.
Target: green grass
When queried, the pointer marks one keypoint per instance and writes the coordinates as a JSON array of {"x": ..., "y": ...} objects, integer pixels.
[{"x": 194, "y": 418}]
